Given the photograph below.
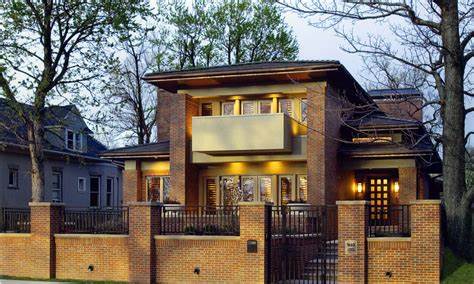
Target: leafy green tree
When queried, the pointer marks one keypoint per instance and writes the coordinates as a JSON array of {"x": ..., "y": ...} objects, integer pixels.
[{"x": 48, "y": 48}]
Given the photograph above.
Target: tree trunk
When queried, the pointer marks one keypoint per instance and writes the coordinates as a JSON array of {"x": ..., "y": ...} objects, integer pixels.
[
  {"x": 457, "y": 206},
  {"x": 35, "y": 145}
]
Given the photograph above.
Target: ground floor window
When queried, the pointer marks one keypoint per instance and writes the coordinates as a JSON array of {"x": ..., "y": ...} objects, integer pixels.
[
  {"x": 158, "y": 189},
  {"x": 302, "y": 192},
  {"x": 109, "y": 192},
  {"x": 57, "y": 186},
  {"x": 94, "y": 191},
  {"x": 285, "y": 184},
  {"x": 13, "y": 177}
]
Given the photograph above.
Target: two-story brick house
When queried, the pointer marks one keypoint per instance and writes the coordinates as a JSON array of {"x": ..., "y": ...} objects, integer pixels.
[{"x": 284, "y": 132}]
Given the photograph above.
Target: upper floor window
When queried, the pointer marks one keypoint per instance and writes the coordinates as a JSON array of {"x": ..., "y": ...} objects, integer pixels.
[
  {"x": 258, "y": 106},
  {"x": 286, "y": 107},
  {"x": 228, "y": 108},
  {"x": 265, "y": 106},
  {"x": 206, "y": 109},
  {"x": 304, "y": 110},
  {"x": 73, "y": 140},
  {"x": 13, "y": 177}
]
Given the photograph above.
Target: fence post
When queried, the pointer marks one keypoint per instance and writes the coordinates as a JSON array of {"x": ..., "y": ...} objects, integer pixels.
[
  {"x": 352, "y": 256},
  {"x": 144, "y": 222},
  {"x": 426, "y": 240},
  {"x": 254, "y": 226},
  {"x": 46, "y": 220}
]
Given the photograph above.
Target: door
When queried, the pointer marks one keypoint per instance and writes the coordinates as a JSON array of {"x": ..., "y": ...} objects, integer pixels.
[{"x": 379, "y": 197}]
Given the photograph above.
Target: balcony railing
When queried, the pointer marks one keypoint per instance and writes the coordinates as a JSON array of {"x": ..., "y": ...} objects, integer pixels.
[
  {"x": 15, "y": 220},
  {"x": 389, "y": 221},
  {"x": 200, "y": 220},
  {"x": 95, "y": 221}
]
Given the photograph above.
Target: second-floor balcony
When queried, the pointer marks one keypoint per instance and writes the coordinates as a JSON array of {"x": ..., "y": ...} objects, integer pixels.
[{"x": 234, "y": 134}]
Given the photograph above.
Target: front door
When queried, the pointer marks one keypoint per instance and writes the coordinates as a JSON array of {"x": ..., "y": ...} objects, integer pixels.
[{"x": 379, "y": 197}]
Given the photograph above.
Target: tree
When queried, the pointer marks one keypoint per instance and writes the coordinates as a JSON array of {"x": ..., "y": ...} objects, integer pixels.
[
  {"x": 434, "y": 37},
  {"x": 131, "y": 102},
  {"x": 51, "y": 47},
  {"x": 227, "y": 32}
]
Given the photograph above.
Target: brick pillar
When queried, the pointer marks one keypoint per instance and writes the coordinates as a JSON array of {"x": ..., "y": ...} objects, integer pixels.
[
  {"x": 144, "y": 220},
  {"x": 352, "y": 224},
  {"x": 184, "y": 175},
  {"x": 425, "y": 217},
  {"x": 253, "y": 226},
  {"x": 46, "y": 220},
  {"x": 132, "y": 183},
  {"x": 407, "y": 179},
  {"x": 163, "y": 114}
]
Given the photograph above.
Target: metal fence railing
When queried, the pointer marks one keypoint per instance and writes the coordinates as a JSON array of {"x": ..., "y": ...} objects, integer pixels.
[
  {"x": 15, "y": 220},
  {"x": 200, "y": 220},
  {"x": 389, "y": 220},
  {"x": 95, "y": 221}
]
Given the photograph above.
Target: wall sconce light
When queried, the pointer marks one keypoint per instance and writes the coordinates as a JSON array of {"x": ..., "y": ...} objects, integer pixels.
[
  {"x": 396, "y": 186},
  {"x": 359, "y": 187}
]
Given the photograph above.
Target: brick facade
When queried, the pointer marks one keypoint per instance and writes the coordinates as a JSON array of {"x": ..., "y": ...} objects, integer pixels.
[
  {"x": 163, "y": 114},
  {"x": 133, "y": 184},
  {"x": 407, "y": 108},
  {"x": 407, "y": 179}
]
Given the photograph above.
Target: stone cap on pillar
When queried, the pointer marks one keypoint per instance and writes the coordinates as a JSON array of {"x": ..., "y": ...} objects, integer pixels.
[
  {"x": 426, "y": 202},
  {"x": 144, "y": 204},
  {"x": 46, "y": 204},
  {"x": 352, "y": 202}
]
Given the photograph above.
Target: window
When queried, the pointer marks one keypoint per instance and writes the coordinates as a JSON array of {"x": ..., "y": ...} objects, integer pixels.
[
  {"x": 211, "y": 192},
  {"x": 286, "y": 107},
  {"x": 228, "y": 108},
  {"x": 249, "y": 189},
  {"x": 13, "y": 177},
  {"x": 265, "y": 188},
  {"x": 285, "y": 189},
  {"x": 304, "y": 110},
  {"x": 302, "y": 188},
  {"x": 249, "y": 107},
  {"x": 230, "y": 190},
  {"x": 206, "y": 109},
  {"x": 57, "y": 186},
  {"x": 73, "y": 140},
  {"x": 109, "y": 192},
  {"x": 265, "y": 106},
  {"x": 158, "y": 189},
  {"x": 81, "y": 184},
  {"x": 94, "y": 191}
]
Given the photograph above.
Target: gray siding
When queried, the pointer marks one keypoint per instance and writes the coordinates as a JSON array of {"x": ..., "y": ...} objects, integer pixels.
[{"x": 71, "y": 171}]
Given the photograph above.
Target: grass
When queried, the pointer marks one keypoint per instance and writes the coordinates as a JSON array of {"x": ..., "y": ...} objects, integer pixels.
[
  {"x": 58, "y": 280},
  {"x": 456, "y": 270}
]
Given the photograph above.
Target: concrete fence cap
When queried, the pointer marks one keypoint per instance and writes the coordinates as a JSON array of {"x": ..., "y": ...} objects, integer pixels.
[
  {"x": 352, "y": 202},
  {"x": 426, "y": 201},
  {"x": 45, "y": 204}
]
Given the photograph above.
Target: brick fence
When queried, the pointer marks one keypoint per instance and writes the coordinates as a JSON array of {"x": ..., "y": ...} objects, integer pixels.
[{"x": 144, "y": 256}]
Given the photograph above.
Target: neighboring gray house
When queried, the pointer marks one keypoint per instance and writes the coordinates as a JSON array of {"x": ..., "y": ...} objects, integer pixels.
[{"x": 74, "y": 173}]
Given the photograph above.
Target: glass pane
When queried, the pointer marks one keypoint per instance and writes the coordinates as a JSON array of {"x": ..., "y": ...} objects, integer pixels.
[
  {"x": 285, "y": 189},
  {"x": 248, "y": 107},
  {"x": 304, "y": 110},
  {"x": 265, "y": 188},
  {"x": 230, "y": 191},
  {"x": 265, "y": 107},
  {"x": 166, "y": 189},
  {"x": 248, "y": 189},
  {"x": 211, "y": 192},
  {"x": 302, "y": 188},
  {"x": 227, "y": 108},
  {"x": 109, "y": 185},
  {"x": 153, "y": 188},
  {"x": 78, "y": 145},
  {"x": 94, "y": 202},
  {"x": 206, "y": 109},
  {"x": 286, "y": 107}
]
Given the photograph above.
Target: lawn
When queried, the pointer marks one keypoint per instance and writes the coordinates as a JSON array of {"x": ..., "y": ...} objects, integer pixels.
[{"x": 456, "y": 270}]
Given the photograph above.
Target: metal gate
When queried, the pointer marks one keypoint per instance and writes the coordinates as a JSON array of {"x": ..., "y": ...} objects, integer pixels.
[{"x": 303, "y": 244}]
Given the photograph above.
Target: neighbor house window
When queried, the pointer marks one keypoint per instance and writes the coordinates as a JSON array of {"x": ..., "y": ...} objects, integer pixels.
[
  {"x": 81, "y": 184},
  {"x": 285, "y": 189},
  {"x": 158, "y": 188},
  {"x": 94, "y": 191},
  {"x": 73, "y": 140},
  {"x": 286, "y": 106},
  {"x": 206, "y": 109},
  {"x": 57, "y": 186},
  {"x": 304, "y": 110},
  {"x": 228, "y": 108},
  {"x": 302, "y": 188},
  {"x": 13, "y": 177},
  {"x": 109, "y": 192}
]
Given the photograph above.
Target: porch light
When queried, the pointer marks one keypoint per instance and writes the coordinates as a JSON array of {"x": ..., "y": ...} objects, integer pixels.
[
  {"x": 396, "y": 187},
  {"x": 359, "y": 187}
]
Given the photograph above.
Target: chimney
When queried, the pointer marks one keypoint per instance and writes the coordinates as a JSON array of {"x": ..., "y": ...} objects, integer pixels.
[{"x": 399, "y": 103}]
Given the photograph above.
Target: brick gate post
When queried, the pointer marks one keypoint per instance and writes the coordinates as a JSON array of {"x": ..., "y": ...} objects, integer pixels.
[
  {"x": 144, "y": 221},
  {"x": 352, "y": 256},
  {"x": 254, "y": 226},
  {"x": 46, "y": 220}
]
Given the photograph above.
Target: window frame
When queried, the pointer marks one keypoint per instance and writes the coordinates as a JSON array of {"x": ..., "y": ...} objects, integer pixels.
[
  {"x": 109, "y": 192},
  {"x": 254, "y": 105},
  {"x": 15, "y": 185},
  {"x": 99, "y": 189},
  {"x": 298, "y": 183},
  {"x": 79, "y": 179},
  {"x": 259, "y": 183},
  {"x": 59, "y": 189},
  {"x": 202, "y": 106},
  {"x": 304, "y": 102},
  {"x": 292, "y": 106},
  {"x": 223, "y": 107},
  {"x": 292, "y": 183},
  {"x": 161, "y": 189},
  {"x": 259, "y": 105},
  {"x": 77, "y": 140}
]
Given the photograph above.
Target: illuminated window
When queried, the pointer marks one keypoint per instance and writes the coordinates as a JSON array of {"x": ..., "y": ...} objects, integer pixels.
[
  {"x": 228, "y": 108},
  {"x": 206, "y": 109},
  {"x": 286, "y": 107},
  {"x": 230, "y": 189},
  {"x": 302, "y": 188},
  {"x": 249, "y": 188},
  {"x": 211, "y": 192},
  {"x": 265, "y": 188},
  {"x": 158, "y": 188},
  {"x": 304, "y": 110},
  {"x": 285, "y": 189}
]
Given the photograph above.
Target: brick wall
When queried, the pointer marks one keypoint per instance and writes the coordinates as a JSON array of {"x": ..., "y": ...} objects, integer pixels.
[
  {"x": 14, "y": 255},
  {"x": 108, "y": 254},
  {"x": 407, "y": 179},
  {"x": 183, "y": 174},
  {"x": 392, "y": 255}
]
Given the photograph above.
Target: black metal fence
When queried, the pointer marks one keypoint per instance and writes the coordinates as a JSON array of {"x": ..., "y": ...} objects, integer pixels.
[
  {"x": 15, "y": 220},
  {"x": 389, "y": 220},
  {"x": 303, "y": 244},
  {"x": 95, "y": 221},
  {"x": 200, "y": 220}
]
